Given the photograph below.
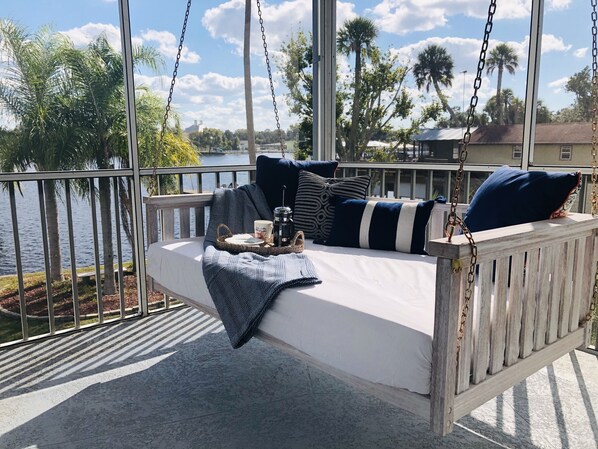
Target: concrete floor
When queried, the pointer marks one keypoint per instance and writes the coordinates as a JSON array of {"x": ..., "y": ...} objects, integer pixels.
[{"x": 173, "y": 381}]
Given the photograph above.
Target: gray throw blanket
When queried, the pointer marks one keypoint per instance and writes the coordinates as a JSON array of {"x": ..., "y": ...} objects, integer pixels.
[{"x": 243, "y": 285}]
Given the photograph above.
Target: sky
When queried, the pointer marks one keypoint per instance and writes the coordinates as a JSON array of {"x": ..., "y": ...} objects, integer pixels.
[{"x": 210, "y": 91}]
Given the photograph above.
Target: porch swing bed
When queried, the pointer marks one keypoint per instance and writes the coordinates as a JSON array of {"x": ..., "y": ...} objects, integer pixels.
[
  {"x": 388, "y": 322},
  {"x": 437, "y": 333}
]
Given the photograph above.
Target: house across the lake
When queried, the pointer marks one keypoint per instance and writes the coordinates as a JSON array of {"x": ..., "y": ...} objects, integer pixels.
[{"x": 568, "y": 144}]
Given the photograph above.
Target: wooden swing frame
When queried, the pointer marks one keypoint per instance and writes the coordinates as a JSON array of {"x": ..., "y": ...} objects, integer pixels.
[{"x": 529, "y": 305}]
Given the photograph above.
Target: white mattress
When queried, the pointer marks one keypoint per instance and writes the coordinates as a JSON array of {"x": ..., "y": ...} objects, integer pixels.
[{"x": 372, "y": 316}]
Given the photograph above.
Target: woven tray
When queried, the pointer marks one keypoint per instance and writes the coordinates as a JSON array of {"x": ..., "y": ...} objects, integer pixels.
[{"x": 265, "y": 249}]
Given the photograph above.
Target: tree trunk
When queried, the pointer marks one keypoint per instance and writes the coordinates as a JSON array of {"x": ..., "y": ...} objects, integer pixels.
[
  {"x": 107, "y": 246},
  {"x": 248, "y": 88},
  {"x": 352, "y": 141},
  {"x": 53, "y": 230},
  {"x": 499, "y": 115},
  {"x": 444, "y": 101}
]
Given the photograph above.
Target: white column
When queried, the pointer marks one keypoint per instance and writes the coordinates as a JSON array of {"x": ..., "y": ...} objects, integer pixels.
[
  {"x": 139, "y": 249},
  {"x": 324, "y": 82},
  {"x": 531, "y": 90}
]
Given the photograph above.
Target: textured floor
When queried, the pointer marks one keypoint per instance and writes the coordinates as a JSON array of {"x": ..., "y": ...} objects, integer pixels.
[{"x": 172, "y": 381}]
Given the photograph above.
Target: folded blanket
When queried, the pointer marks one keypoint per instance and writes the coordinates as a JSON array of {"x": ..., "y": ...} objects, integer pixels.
[
  {"x": 243, "y": 285},
  {"x": 237, "y": 208}
]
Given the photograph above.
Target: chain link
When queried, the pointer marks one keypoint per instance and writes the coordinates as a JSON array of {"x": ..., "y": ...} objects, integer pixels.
[
  {"x": 594, "y": 108},
  {"x": 590, "y": 315},
  {"x": 266, "y": 54},
  {"x": 453, "y": 220},
  {"x": 154, "y": 185}
]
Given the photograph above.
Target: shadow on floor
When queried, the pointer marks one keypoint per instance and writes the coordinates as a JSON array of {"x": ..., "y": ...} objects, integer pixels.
[{"x": 173, "y": 381}]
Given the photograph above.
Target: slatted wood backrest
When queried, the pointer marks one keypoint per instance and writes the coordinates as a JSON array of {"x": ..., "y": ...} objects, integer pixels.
[
  {"x": 164, "y": 212},
  {"x": 533, "y": 285}
]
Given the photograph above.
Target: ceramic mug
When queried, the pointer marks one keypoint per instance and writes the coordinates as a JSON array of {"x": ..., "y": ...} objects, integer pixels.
[{"x": 263, "y": 230}]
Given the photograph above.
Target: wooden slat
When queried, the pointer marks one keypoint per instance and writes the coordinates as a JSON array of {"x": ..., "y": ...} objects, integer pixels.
[
  {"x": 181, "y": 200},
  {"x": 498, "y": 383},
  {"x": 499, "y": 316},
  {"x": 184, "y": 223},
  {"x": 565, "y": 312},
  {"x": 464, "y": 361},
  {"x": 556, "y": 296},
  {"x": 514, "y": 316},
  {"x": 580, "y": 256},
  {"x": 544, "y": 291},
  {"x": 444, "y": 345},
  {"x": 529, "y": 302},
  {"x": 167, "y": 224},
  {"x": 436, "y": 227},
  {"x": 151, "y": 219},
  {"x": 594, "y": 267},
  {"x": 482, "y": 336},
  {"x": 588, "y": 278},
  {"x": 200, "y": 221}
]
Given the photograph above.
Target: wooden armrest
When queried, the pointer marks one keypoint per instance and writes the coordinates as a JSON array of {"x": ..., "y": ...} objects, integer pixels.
[
  {"x": 178, "y": 201},
  {"x": 499, "y": 242}
]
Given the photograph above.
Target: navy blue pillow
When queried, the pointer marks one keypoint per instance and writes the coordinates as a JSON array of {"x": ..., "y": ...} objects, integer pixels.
[
  {"x": 392, "y": 226},
  {"x": 510, "y": 196},
  {"x": 274, "y": 172}
]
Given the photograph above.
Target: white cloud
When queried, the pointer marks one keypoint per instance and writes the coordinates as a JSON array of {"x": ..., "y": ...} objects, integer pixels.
[
  {"x": 281, "y": 21},
  {"x": 405, "y": 16},
  {"x": 168, "y": 45},
  {"x": 558, "y": 86},
  {"x": 83, "y": 35},
  {"x": 227, "y": 21},
  {"x": 218, "y": 100},
  {"x": 551, "y": 42},
  {"x": 559, "y": 4},
  {"x": 581, "y": 52}
]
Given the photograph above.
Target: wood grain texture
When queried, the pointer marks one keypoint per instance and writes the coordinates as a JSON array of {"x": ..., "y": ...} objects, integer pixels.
[
  {"x": 481, "y": 356},
  {"x": 565, "y": 312},
  {"x": 556, "y": 294},
  {"x": 499, "y": 316},
  {"x": 444, "y": 344},
  {"x": 580, "y": 257},
  {"x": 167, "y": 224},
  {"x": 496, "y": 243},
  {"x": 530, "y": 299},
  {"x": 544, "y": 291},
  {"x": 514, "y": 310},
  {"x": 184, "y": 222},
  {"x": 512, "y": 375},
  {"x": 464, "y": 360}
]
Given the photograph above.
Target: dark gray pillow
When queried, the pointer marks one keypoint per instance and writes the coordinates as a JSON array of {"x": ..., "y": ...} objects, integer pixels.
[{"x": 314, "y": 211}]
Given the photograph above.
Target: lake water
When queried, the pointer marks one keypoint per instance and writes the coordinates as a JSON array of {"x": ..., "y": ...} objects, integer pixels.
[{"x": 30, "y": 229}]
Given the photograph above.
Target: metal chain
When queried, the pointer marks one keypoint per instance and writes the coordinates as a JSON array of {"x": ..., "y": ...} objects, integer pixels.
[
  {"x": 153, "y": 186},
  {"x": 453, "y": 220},
  {"x": 280, "y": 138},
  {"x": 590, "y": 315}
]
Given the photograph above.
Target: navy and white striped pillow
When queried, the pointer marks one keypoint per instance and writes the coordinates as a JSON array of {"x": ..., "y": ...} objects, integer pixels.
[{"x": 392, "y": 226}]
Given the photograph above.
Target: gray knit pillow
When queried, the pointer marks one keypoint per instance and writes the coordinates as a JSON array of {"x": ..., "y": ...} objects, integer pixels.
[{"x": 314, "y": 212}]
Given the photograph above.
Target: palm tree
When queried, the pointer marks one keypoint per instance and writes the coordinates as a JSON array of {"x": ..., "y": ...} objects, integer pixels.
[
  {"x": 501, "y": 57},
  {"x": 33, "y": 90},
  {"x": 356, "y": 36},
  {"x": 247, "y": 77},
  {"x": 98, "y": 72},
  {"x": 435, "y": 67}
]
